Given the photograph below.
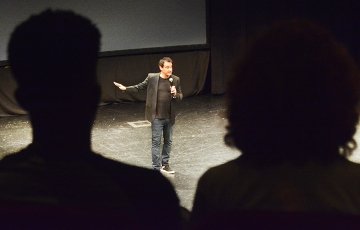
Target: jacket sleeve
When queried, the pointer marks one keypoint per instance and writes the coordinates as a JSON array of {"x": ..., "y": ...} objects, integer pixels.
[
  {"x": 179, "y": 94},
  {"x": 138, "y": 87}
]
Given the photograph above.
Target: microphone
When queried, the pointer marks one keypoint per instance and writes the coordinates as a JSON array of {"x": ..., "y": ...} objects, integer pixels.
[
  {"x": 171, "y": 81},
  {"x": 171, "y": 85}
]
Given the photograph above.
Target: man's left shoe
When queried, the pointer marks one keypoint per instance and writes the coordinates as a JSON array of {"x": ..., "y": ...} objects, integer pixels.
[{"x": 167, "y": 169}]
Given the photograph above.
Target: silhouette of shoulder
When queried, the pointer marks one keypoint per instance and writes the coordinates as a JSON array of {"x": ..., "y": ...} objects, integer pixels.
[
  {"x": 316, "y": 186},
  {"x": 87, "y": 179}
]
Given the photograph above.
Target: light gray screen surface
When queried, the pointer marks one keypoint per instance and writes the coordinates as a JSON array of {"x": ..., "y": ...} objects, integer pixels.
[{"x": 124, "y": 24}]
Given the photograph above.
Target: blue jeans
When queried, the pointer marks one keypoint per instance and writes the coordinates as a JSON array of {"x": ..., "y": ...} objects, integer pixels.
[{"x": 161, "y": 127}]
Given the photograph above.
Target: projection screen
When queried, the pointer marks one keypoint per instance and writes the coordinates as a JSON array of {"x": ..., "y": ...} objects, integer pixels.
[{"x": 124, "y": 24}]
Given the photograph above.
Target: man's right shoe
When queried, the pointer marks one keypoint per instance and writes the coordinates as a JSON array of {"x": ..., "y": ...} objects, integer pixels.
[{"x": 167, "y": 169}]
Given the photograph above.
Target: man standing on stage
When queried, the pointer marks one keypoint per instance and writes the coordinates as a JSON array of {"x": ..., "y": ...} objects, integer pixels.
[{"x": 163, "y": 89}]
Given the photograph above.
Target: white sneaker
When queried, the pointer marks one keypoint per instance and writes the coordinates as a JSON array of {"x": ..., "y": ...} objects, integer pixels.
[{"x": 167, "y": 169}]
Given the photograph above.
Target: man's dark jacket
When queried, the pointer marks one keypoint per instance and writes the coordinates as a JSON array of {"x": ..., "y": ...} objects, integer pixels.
[{"x": 151, "y": 84}]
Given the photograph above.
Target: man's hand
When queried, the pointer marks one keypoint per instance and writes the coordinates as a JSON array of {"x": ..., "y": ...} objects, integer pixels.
[
  {"x": 123, "y": 88},
  {"x": 173, "y": 91}
]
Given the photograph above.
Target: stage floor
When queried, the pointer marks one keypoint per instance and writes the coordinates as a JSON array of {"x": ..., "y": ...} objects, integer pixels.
[{"x": 120, "y": 133}]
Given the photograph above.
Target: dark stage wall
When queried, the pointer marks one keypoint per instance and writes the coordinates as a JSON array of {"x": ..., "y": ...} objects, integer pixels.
[
  {"x": 234, "y": 22},
  {"x": 190, "y": 66}
]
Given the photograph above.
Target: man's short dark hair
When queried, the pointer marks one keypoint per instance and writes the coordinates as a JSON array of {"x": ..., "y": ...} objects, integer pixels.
[{"x": 163, "y": 60}]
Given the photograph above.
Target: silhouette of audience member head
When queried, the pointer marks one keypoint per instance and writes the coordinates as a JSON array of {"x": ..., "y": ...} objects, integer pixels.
[
  {"x": 292, "y": 112},
  {"x": 294, "y": 96},
  {"x": 53, "y": 57}
]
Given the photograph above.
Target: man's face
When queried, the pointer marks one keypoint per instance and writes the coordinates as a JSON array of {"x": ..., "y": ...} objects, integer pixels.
[{"x": 166, "y": 69}]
